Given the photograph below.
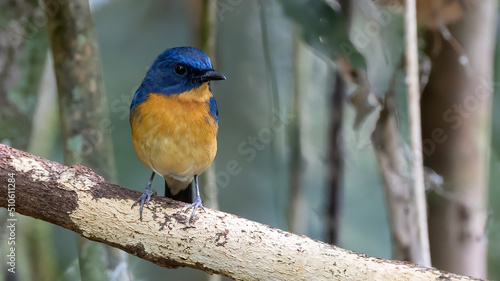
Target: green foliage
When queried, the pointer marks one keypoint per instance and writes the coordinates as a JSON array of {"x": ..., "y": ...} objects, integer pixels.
[{"x": 324, "y": 29}]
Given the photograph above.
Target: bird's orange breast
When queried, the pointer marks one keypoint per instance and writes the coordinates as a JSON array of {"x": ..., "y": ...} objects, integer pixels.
[{"x": 175, "y": 135}]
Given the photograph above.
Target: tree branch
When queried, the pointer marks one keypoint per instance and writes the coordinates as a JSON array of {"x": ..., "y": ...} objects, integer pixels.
[
  {"x": 80, "y": 200},
  {"x": 412, "y": 81}
]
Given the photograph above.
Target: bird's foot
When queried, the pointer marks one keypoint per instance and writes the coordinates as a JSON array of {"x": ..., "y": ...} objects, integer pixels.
[
  {"x": 196, "y": 204},
  {"x": 144, "y": 198}
]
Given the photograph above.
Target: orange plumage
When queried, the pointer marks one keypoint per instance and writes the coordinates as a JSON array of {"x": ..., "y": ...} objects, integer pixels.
[{"x": 175, "y": 136}]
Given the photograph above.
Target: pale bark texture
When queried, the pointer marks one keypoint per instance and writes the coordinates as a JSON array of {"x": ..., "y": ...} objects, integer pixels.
[
  {"x": 456, "y": 109},
  {"x": 80, "y": 200}
]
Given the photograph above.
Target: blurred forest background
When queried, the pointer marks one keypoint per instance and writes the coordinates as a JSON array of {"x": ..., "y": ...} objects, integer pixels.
[{"x": 313, "y": 132}]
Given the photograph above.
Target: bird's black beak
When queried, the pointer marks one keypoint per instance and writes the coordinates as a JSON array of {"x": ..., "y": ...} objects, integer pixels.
[{"x": 212, "y": 75}]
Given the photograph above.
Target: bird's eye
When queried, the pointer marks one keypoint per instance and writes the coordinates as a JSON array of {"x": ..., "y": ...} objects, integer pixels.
[{"x": 180, "y": 69}]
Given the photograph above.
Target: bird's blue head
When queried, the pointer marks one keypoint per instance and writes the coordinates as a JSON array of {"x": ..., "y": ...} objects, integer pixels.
[{"x": 176, "y": 71}]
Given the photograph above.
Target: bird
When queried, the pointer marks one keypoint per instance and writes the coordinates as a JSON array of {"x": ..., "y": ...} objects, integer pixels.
[{"x": 174, "y": 122}]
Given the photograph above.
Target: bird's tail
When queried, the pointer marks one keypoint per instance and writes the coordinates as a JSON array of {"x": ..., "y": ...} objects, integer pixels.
[{"x": 187, "y": 195}]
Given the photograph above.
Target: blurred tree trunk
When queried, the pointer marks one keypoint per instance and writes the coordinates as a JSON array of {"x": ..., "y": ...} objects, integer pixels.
[
  {"x": 23, "y": 51},
  {"x": 419, "y": 202},
  {"x": 335, "y": 155},
  {"x": 456, "y": 109},
  {"x": 393, "y": 165},
  {"x": 23, "y": 45},
  {"x": 84, "y": 118},
  {"x": 297, "y": 212},
  {"x": 208, "y": 39}
]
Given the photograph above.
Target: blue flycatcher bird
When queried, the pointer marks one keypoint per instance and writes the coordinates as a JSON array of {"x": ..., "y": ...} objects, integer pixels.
[{"x": 174, "y": 121}]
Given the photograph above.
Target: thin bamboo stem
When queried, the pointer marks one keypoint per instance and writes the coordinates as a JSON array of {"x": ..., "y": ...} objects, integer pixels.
[{"x": 422, "y": 234}]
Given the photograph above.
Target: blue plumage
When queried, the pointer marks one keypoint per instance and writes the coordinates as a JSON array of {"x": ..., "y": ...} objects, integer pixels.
[
  {"x": 212, "y": 104},
  {"x": 162, "y": 77}
]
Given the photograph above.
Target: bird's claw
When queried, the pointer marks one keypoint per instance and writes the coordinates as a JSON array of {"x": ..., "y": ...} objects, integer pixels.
[
  {"x": 196, "y": 204},
  {"x": 144, "y": 198}
]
